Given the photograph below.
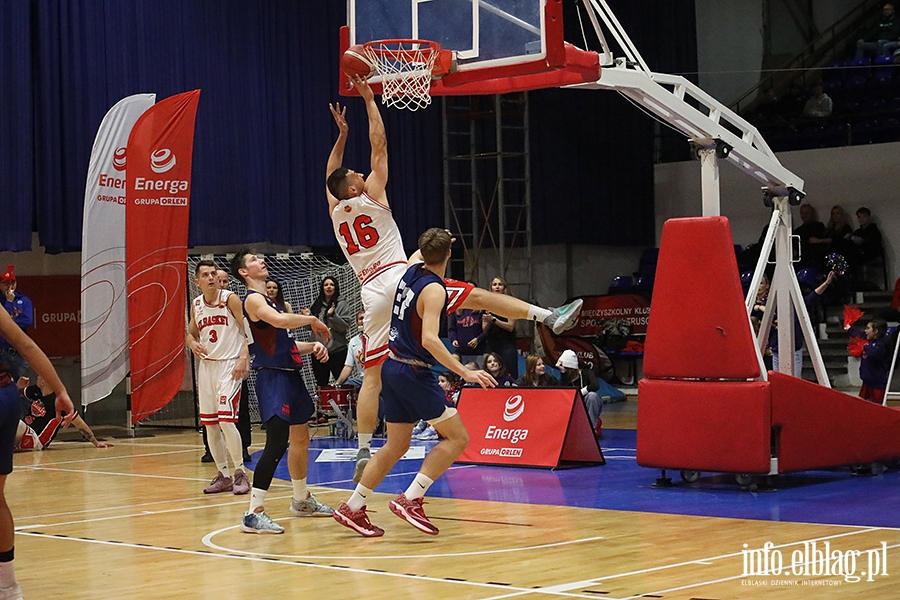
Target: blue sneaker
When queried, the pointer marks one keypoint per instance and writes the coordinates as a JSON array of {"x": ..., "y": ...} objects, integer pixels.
[
  {"x": 260, "y": 522},
  {"x": 419, "y": 428},
  {"x": 429, "y": 434}
]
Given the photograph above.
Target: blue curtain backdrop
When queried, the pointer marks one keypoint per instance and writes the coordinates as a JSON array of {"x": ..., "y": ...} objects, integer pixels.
[{"x": 267, "y": 71}]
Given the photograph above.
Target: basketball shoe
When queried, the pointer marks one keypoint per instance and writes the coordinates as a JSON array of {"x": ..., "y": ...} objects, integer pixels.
[
  {"x": 260, "y": 522},
  {"x": 411, "y": 512},
  {"x": 310, "y": 508},
  {"x": 219, "y": 484},
  {"x": 357, "y": 520},
  {"x": 13, "y": 592},
  {"x": 241, "y": 483},
  {"x": 564, "y": 317},
  {"x": 362, "y": 459}
]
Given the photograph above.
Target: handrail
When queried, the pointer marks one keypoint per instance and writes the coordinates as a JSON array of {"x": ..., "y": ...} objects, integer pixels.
[{"x": 812, "y": 53}]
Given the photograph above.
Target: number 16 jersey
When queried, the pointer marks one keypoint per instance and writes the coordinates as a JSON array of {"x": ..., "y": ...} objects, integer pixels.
[{"x": 368, "y": 235}]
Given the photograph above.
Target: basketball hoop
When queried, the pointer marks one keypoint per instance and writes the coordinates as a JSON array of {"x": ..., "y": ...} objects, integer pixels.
[{"x": 406, "y": 67}]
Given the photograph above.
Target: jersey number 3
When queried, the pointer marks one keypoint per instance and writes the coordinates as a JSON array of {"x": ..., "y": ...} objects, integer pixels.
[{"x": 366, "y": 235}]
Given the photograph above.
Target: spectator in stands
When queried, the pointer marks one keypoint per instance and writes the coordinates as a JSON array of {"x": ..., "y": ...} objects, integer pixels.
[
  {"x": 274, "y": 291},
  {"x": 493, "y": 364},
  {"x": 833, "y": 239},
  {"x": 819, "y": 104},
  {"x": 536, "y": 374},
  {"x": 875, "y": 362},
  {"x": 790, "y": 106},
  {"x": 467, "y": 333},
  {"x": 332, "y": 310},
  {"x": 809, "y": 227},
  {"x": 353, "y": 370},
  {"x": 501, "y": 332},
  {"x": 18, "y": 306},
  {"x": 583, "y": 379},
  {"x": 866, "y": 240},
  {"x": 452, "y": 385},
  {"x": 887, "y": 30}
]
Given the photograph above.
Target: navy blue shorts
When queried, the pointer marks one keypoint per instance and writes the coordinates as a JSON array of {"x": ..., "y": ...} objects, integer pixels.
[
  {"x": 283, "y": 394},
  {"x": 410, "y": 393},
  {"x": 10, "y": 410}
]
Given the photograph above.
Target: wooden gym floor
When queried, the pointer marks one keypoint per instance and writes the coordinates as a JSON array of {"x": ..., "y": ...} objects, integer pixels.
[{"x": 132, "y": 522}]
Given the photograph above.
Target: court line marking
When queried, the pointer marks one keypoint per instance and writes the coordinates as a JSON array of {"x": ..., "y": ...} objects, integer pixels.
[
  {"x": 308, "y": 565},
  {"x": 563, "y": 587}
]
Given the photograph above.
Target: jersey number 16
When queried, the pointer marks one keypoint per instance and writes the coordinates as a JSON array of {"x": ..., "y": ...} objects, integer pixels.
[{"x": 366, "y": 236}]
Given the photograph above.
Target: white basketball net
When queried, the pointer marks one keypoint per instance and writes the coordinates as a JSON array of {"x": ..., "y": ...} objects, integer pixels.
[{"x": 405, "y": 68}]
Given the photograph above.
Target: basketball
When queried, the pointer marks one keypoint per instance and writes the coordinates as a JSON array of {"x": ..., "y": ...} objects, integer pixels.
[{"x": 355, "y": 62}]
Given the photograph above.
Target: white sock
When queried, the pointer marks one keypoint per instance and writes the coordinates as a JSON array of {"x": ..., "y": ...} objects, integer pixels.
[
  {"x": 7, "y": 574},
  {"x": 216, "y": 442},
  {"x": 233, "y": 443},
  {"x": 257, "y": 499},
  {"x": 300, "y": 490},
  {"x": 359, "y": 498},
  {"x": 418, "y": 487},
  {"x": 365, "y": 440},
  {"x": 537, "y": 313}
]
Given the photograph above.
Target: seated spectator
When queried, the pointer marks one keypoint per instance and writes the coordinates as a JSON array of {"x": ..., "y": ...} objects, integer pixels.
[
  {"x": 887, "y": 30},
  {"x": 810, "y": 227},
  {"x": 833, "y": 238},
  {"x": 819, "y": 104},
  {"x": 583, "y": 379},
  {"x": 536, "y": 374},
  {"x": 493, "y": 364},
  {"x": 501, "y": 332},
  {"x": 352, "y": 372},
  {"x": 866, "y": 239}
]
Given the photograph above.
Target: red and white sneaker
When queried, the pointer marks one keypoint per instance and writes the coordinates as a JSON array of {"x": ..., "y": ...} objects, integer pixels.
[
  {"x": 357, "y": 520},
  {"x": 411, "y": 512}
]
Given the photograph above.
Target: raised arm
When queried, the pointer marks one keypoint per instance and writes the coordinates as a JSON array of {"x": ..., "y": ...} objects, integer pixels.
[
  {"x": 336, "y": 158},
  {"x": 377, "y": 179}
]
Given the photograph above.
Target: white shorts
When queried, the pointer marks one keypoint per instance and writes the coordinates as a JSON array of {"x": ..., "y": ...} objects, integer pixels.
[
  {"x": 378, "y": 302},
  {"x": 218, "y": 392}
]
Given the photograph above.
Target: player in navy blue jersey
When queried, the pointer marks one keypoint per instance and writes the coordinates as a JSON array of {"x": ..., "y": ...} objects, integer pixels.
[
  {"x": 411, "y": 391},
  {"x": 284, "y": 404}
]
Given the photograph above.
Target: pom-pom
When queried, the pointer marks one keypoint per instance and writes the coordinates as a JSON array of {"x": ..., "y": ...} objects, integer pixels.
[
  {"x": 837, "y": 263},
  {"x": 852, "y": 314},
  {"x": 856, "y": 346}
]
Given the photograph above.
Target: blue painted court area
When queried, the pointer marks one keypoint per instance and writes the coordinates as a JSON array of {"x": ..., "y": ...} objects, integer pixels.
[{"x": 826, "y": 497}]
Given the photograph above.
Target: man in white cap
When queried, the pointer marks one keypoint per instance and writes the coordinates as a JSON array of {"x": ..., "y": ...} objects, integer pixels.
[{"x": 583, "y": 379}]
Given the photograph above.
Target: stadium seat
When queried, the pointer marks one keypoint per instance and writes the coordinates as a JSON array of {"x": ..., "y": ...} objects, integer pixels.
[{"x": 623, "y": 284}]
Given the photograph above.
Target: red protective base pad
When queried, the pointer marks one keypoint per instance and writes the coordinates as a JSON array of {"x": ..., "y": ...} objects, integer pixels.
[
  {"x": 821, "y": 427},
  {"x": 704, "y": 426}
]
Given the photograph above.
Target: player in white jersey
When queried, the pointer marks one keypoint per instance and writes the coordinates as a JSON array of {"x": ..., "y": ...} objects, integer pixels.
[
  {"x": 216, "y": 337},
  {"x": 370, "y": 239}
]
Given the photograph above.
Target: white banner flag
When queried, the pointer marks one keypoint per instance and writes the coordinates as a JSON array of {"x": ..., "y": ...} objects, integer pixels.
[{"x": 104, "y": 308}]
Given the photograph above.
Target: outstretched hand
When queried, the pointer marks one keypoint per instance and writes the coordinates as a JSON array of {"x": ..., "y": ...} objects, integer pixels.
[
  {"x": 362, "y": 86},
  {"x": 65, "y": 410},
  {"x": 482, "y": 378},
  {"x": 340, "y": 116}
]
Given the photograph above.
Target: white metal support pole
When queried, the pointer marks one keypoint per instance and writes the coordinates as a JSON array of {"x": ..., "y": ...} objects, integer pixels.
[{"x": 709, "y": 182}]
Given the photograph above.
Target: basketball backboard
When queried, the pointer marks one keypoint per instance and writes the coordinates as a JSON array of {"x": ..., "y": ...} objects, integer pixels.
[{"x": 498, "y": 45}]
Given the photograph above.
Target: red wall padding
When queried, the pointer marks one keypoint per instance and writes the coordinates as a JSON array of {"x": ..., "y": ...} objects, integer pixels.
[
  {"x": 821, "y": 427},
  {"x": 704, "y": 426},
  {"x": 698, "y": 326}
]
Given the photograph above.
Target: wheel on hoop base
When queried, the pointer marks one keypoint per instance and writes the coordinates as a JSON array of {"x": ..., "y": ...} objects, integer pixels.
[
  {"x": 689, "y": 476},
  {"x": 743, "y": 479}
]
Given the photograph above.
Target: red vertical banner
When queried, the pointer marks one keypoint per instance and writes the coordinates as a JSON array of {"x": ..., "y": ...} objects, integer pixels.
[{"x": 158, "y": 190}]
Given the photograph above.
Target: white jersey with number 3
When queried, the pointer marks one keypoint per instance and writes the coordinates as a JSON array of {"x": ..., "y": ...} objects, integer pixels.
[
  {"x": 219, "y": 332},
  {"x": 368, "y": 235}
]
